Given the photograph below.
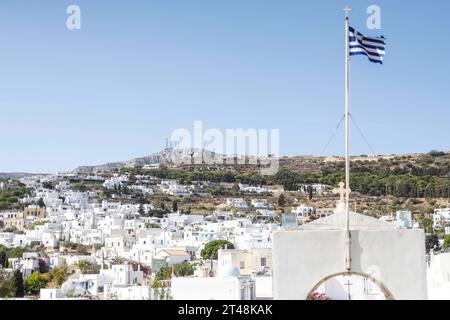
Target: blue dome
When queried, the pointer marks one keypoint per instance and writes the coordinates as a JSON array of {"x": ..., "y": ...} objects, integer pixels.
[{"x": 229, "y": 271}]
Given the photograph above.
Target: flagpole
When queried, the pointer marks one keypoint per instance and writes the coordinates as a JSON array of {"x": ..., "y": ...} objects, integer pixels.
[{"x": 347, "y": 144}]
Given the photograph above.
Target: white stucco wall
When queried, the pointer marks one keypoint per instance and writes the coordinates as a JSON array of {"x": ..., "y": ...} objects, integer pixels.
[
  {"x": 263, "y": 287},
  {"x": 438, "y": 276},
  {"x": 206, "y": 288},
  {"x": 303, "y": 258}
]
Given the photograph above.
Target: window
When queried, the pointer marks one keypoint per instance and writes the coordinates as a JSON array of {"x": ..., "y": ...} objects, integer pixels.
[
  {"x": 242, "y": 265},
  {"x": 263, "y": 261}
]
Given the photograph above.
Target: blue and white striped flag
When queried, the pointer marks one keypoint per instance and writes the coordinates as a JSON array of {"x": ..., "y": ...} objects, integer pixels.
[{"x": 372, "y": 47}]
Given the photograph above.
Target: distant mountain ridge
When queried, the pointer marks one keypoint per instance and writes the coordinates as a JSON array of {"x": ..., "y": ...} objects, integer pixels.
[
  {"x": 166, "y": 156},
  {"x": 19, "y": 175},
  {"x": 185, "y": 156}
]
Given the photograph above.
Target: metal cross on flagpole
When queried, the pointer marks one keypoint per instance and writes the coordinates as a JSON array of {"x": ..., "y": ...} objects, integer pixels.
[{"x": 347, "y": 146}]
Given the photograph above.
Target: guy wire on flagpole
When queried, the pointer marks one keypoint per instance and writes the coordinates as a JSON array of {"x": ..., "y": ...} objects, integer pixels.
[
  {"x": 362, "y": 134},
  {"x": 347, "y": 136},
  {"x": 332, "y": 136}
]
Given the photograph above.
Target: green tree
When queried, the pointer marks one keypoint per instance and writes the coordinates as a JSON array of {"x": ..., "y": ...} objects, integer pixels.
[
  {"x": 446, "y": 243},
  {"x": 174, "y": 206},
  {"x": 7, "y": 288},
  {"x": 58, "y": 275},
  {"x": 101, "y": 196},
  {"x": 162, "y": 205},
  {"x": 431, "y": 242},
  {"x": 436, "y": 153},
  {"x": 88, "y": 267},
  {"x": 18, "y": 284},
  {"x": 310, "y": 192},
  {"x": 427, "y": 224},
  {"x": 79, "y": 187},
  {"x": 164, "y": 273},
  {"x": 282, "y": 200},
  {"x": 141, "y": 210},
  {"x": 235, "y": 189},
  {"x": 16, "y": 252},
  {"x": 118, "y": 260},
  {"x": 41, "y": 203},
  {"x": 35, "y": 282},
  {"x": 70, "y": 245},
  {"x": 82, "y": 249},
  {"x": 211, "y": 248},
  {"x": 3, "y": 259},
  {"x": 48, "y": 185},
  {"x": 183, "y": 269},
  {"x": 288, "y": 179}
]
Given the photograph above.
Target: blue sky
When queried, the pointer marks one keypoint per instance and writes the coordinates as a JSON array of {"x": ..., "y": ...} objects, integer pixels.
[{"x": 137, "y": 70}]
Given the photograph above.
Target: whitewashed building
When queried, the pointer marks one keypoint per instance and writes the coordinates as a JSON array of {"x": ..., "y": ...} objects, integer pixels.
[
  {"x": 441, "y": 218},
  {"x": 228, "y": 285}
]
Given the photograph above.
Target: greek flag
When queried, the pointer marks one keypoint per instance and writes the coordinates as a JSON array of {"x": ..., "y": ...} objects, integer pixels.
[{"x": 371, "y": 47}]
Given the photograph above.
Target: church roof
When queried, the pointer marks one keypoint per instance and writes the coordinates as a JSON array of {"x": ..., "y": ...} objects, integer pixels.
[
  {"x": 229, "y": 271},
  {"x": 338, "y": 221}
]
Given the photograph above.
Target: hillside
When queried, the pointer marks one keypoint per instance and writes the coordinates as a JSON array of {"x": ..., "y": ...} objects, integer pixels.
[{"x": 167, "y": 156}]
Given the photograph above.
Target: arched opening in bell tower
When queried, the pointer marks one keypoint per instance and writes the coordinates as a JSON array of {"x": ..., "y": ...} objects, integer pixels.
[{"x": 349, "y": 286}]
